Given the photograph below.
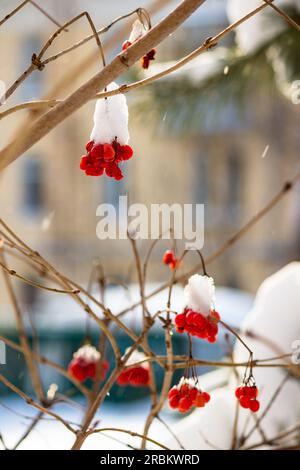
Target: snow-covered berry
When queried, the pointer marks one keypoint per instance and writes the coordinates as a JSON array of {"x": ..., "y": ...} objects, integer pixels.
[
  {"x": 139, "y": 29},
  {"x": 84, "y": 363},
  {"x": 136, "y": 373},
  {"x": 108, "y": 145}
]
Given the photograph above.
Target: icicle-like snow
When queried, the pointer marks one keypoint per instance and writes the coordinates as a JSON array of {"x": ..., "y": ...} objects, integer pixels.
[
  {"x": 199, "y": 294},
  {"x": 111, "y": 119}
]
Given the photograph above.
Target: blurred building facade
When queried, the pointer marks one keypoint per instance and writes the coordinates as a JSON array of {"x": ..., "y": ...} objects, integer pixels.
[{"x": 51, "y": 204}]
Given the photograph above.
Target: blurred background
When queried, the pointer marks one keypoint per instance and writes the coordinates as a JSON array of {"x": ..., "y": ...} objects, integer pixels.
[{"x": 224, "y": 132}]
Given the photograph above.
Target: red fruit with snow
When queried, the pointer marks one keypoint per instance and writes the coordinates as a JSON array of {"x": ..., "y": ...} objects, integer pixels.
[
  {"x": 108, "y": 145},
  {"x": 136, "y": 373},
  {"x": 139, "y": 29},
  {"x": 186, "y": 395},
  {"x": 199, "y": 318},
  {"x": 247, "y": 396},
  {"x": 198, "y": 325},
  {"x": 84, "y": 364}
]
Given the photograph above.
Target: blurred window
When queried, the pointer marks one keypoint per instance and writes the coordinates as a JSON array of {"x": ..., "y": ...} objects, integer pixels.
[
  {"x": 200, "y": 186},
  {"x": 32, "y": 186},
  {"x": 112, "y": 190},
  {"x": 234, "y": 185}
]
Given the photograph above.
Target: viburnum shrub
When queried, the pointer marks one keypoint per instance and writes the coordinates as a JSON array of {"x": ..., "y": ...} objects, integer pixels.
[
  {"x": 84, "y": 363},
  {"x": 170, "y": 260},
  {"x": 108, "y": 144},
  {"x": 136, "y": 372},
  {"x": 199, "y": 318},
  {"x": 247, "y": 396},
  {"x": 139, "y": 29},
  {"x": 186, "y": 395}
]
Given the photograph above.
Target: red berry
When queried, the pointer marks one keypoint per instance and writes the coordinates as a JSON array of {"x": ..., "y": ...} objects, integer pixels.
[
  {"x": 125, "y": 152},
  {"x": 89, "y": 145},
  {"x": 180, "y": 320},
  {"x": 125, "y": 45},
  {"x": 123, "y": 377},
  {"x": 96, "y": 151},
  {"x": 206, "y": 396},
  {"x": 145, "y": 61},
  {"x": 139, "y": 376},
  {"x": 190, "y": 317},
  {"x": 173, "y": 401},
  {"x": 83, "y": 162},
  {"x": 173, "y": 264},
  {"x": 193, "y": 393},
  {"x": 200, "y": 321},
  {"x": 253, "y": 392},
  {"x": 200, "y": 400},
  {"x": 239, "y": 392},
  {"x": 215, "y": 315},
  {"x": 184, "y": 404},
  {"x": 173, "y": 392},
  {"x": 201, "y": 334},
  {"x": 108, "y": 152},
  {"x": 151, "y": 54},
  {"x": 212, "y": 329},
  {"x": 254, "y": 405},
  {"x": 245, "y": 401},
  {"x": 211, "y": 339},
  {"x": 168, "y": 257}
]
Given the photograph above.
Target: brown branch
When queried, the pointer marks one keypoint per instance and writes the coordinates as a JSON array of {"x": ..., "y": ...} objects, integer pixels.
[
  {"x": 77, "y": 99},
  {"x": 13, "y": 273},
  {"x": 131, "y": 433},
  {"x": 13, "y": 12},
  {"x": 207, "y": 44},
  {"x": 284, "y": 15}
]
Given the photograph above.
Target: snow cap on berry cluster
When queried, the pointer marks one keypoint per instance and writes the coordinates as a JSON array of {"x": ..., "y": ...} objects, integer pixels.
[
  {"x": 138, "y": 31},
  {"x": 136, "y": 357},
  {"x": 111, "y": 119},
  {"x": 200, "y": 294},
  {"x": 188, "y": 381},
  {"x": 88, "y": 353}
]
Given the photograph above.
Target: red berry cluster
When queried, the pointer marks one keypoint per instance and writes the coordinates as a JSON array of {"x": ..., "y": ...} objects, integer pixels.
[
  {"x": 185, "y": 395},
  {"x": 105, "y": 157},
  {"x": 145, "y": 60},
  {"x": 247, "y": 396},
  {"x": 198, "y": 325},
  {"x": 170, "y": 260},
  {"x": 136, "y": 376},
  {"x": 83, "y": 367}
]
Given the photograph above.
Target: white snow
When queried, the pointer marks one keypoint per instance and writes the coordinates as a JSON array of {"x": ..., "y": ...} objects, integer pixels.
[
  {"x": 200, "y": 294},
  {"x": 135, "y": 357},
  {"x": 88, "y": 353},
  {"x": 111, "y": 119},
  {"x": 138, "y": 30}
]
